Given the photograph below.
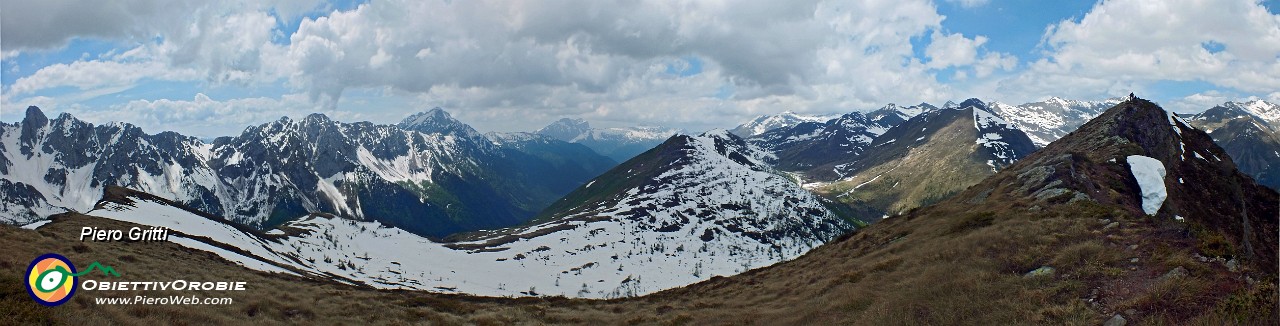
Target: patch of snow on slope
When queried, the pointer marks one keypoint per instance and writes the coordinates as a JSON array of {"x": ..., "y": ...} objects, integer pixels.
[
  {"x": 986, "y": 121},
  {"x": 180, "y": 221},
  {"x": 243, "y": 260},
  {"x": 326, "y": 186},
  {"x": 36, "y": 225},
  {"x": 1150, "y": 175},
  {"x": 402, "y": 168}
]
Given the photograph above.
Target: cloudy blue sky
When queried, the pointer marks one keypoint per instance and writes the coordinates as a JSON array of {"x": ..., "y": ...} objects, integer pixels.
[{"x": 210, "y": 68}]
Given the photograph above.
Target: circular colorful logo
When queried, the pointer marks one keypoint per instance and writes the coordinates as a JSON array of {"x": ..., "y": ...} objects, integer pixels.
[{"x": 51, "y": 279}]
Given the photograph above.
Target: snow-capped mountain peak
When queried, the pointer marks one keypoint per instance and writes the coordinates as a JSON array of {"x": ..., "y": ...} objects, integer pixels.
[
  {"x": 717, "y": 133},
  {"x": 907, "y": 112},
  {"x": 972, "y": 102},
  {"x": 438, "y": 121},
  {"x": 1243, "y": 130},
  {"x": 1262, "y": 109},
  {"x": 786, "y": 119},
  {"x": 316, "y": 118},
  {"x": 619, "y": 144},
  {"x": 566, "y": 129},
  {"x": 1048, "y": 120}
]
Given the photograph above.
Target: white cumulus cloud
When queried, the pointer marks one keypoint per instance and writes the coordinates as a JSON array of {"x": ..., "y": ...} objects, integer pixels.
[{"x": 1124, "y": 45}]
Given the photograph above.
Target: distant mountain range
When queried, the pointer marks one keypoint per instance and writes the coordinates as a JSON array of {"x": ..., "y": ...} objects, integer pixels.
[
  {"x": 1043, "y": 121},
  {"x": 430, "y": 174},
  {"x": 1051, "y": 119},
  {"x": 812, "y": 145},
  {"x": 1250, "y": 132},
  {"x": 1136, "y": 215},
  {"x": 895, "y": 159},
  {"x": 786, "y": 119},
  {"x": 693, "y": 208},
  {"x": 313, "y": 196},
  {"x": 620, "y": 144},
  {"x": 928, "y": 158}
]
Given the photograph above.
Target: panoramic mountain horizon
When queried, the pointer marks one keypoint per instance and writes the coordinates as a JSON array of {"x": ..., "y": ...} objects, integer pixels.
[{"x": 746, "y": 162}]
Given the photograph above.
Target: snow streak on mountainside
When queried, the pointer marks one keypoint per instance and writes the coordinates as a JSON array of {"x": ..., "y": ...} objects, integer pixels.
[
  {"x": 693, "y": 208},
  {"x": 786, "y": 119},
  {"x": 431, "y": 175},
  {"x": 620, "y": 144}
]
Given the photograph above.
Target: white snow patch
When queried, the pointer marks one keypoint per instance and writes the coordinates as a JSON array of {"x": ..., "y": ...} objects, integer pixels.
[
  {"x": 228, "y": 255},
  {"x": 35, "y": 225},
  {"x": 1150, "y": 175},
  {"x": 414, "y": 167}
]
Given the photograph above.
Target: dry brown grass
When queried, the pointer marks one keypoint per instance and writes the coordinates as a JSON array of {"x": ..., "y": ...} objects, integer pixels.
[{"x": 948, "y": 264}]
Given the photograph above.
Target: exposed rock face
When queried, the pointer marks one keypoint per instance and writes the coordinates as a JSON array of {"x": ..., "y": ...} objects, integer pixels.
[{"x": 1202, "y": 184}]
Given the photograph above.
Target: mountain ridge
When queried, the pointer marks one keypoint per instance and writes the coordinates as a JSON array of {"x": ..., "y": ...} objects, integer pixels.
[{"x": 444, "y": 180}]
